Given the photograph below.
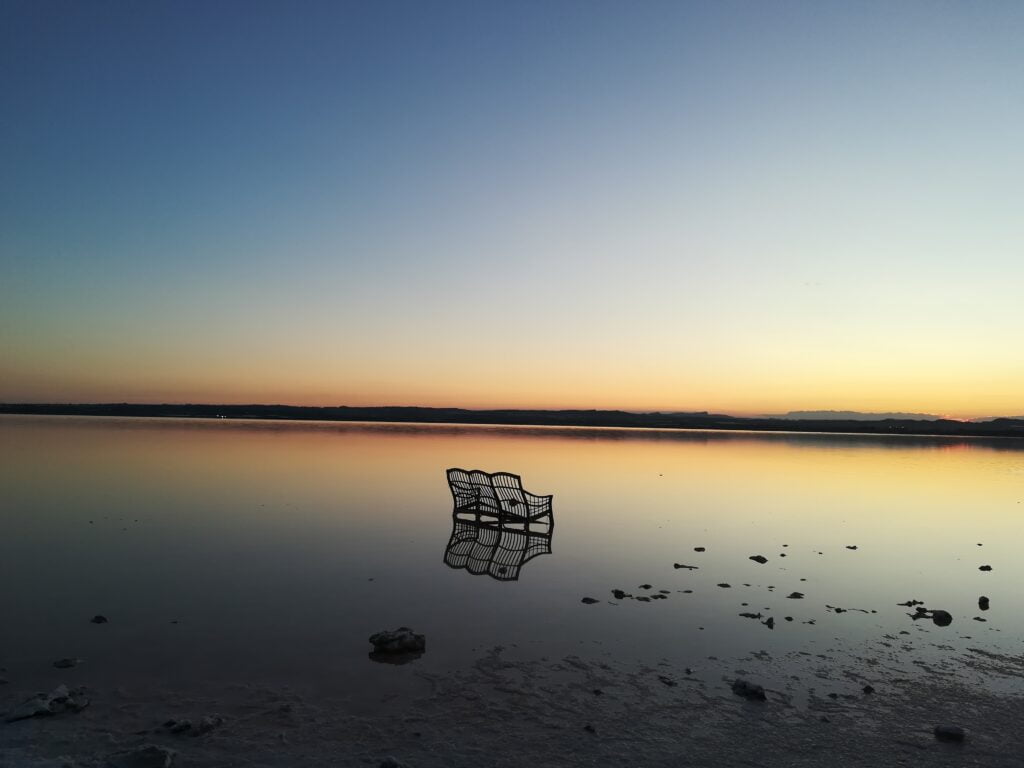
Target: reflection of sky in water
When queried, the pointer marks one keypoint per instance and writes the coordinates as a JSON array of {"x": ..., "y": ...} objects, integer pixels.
[{"x": 279, "y": 547}]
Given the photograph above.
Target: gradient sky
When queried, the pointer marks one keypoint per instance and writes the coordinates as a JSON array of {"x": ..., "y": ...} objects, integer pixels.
[{"x": 743, "y": 207}]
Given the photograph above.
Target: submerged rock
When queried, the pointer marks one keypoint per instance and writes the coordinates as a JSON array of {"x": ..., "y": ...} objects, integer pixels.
[
  {"x": 148, "y": 756},
  {"x": 949, "y": 733},
  {"x": 66, "y": 663},
  {"x": 59, "y": 700},
  {"x": 795, "y": 596},
  {"x": 397, "y": 641},
  {"x": 209, "y": 722},
  {"x": 759, "y": 559},
  {"x": 99, "y": 619},
  {"x": 748, "y": 690}
]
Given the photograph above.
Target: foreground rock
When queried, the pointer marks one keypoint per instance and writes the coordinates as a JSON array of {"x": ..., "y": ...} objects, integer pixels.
[
  {"x": 949, "y": 733},
  {"x": 749, "y": 690},
  {"x": 759, "y": 559},
  {"x": 59, "y": 700},
  {"x": 397, "y": 646},
  {"x": 148, "y": 756}
]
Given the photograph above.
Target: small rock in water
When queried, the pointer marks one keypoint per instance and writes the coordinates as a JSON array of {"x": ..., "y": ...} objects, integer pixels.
[
  {"x": 868, "y": 689},
  {"x": 949, "y": 733},
  {"x": 698, "y": 549},
  {"x": 942, "y": 618},
  {"x": 589, "y": 728},
  {"x": 98, "y": 619},
  {"x": 681, "y": 565},
  {"x": 148, "y": 756},
  {"x": 978, "y": 618},
  {"x": 618, "y": 594},
  {"x": 759, "y": 559},
  {"x": 851, "y": 546},
  {"x": 770, "y": 623},
  {"x": 667, "y": 681},
  {"x": 723, "y": 585},
  {"x": 748, "y": 690},
  {"x": 401, "y": 640},
  {"x": 985, "y": 568},
  {"x": 59, "y": 700},
  {"x": 209, "y": 722},
  {"x": 66, "y": 663},
  {"x": 788, "y": 618},
  {"x": 588, "y": 600},
  {"x": 795, "y": 595},
  {"x": 645, "y": 586},
  {"x": 179, "y": 726},
  {"x": 644, "y": 599},
  {"x": 983, "y": 603}
]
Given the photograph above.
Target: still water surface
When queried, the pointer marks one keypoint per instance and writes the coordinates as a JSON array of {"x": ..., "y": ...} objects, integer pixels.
[{"x": 277, "y": 548}]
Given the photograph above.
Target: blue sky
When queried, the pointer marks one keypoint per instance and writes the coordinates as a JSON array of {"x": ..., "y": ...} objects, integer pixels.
[{"x": 736, "y": 206}]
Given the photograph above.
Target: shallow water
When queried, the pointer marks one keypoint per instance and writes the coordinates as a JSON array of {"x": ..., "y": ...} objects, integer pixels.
[{"x": 278, "y": 548}]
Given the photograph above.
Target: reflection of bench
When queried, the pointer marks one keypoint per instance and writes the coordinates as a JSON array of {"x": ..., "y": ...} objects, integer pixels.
[
  {"x": 497, "y": 496},
  {"x": 494, "y": 549}
]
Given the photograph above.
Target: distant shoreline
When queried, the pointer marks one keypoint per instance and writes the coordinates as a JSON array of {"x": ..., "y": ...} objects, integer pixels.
[{"x": 1013, "y": 428}]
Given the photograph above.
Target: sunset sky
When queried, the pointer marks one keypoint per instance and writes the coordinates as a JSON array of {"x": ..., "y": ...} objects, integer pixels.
[{"x": 742, "y": 207}]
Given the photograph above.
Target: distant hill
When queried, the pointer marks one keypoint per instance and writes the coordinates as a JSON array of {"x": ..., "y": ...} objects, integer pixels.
[
  {"x": 835, "y": 422},
  {"x": 854, "y": 416}
]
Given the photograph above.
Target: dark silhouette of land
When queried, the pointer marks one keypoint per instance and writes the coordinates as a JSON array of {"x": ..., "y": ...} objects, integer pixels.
[{"x": 1000, "y": 427}]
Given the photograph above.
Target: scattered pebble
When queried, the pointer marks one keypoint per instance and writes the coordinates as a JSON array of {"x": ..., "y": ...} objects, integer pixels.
[
  {"x": 949, "y": 733},
  {"x": 66, "y": 663},
  {"x": 759, "y": 559},
  {"x": 98, "y": 619},
  {"x": 588, "y": 600},
  {"x": 985, "y": 568},
  {"x": 748, "y": 690}
]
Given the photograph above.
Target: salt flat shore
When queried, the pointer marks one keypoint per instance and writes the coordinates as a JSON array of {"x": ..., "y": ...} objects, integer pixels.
[{"x": 498, "y": 710}]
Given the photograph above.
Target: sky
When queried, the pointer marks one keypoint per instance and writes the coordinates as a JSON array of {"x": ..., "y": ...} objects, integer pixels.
[{"x": 743, "y": 207}]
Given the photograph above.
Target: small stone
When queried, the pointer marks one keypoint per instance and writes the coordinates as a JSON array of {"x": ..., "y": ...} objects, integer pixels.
[
  {"x": 589, "y": 728},
  {"x": 148, "y": 756},
  {"x": 723, "y": 585},
  {"x": 942, "y": 618},
  {"x": 824, "y": 719},
  {"x": 59, "y": 700},
  {"x": 667, "y": 681},
  {"x": 181, "y": 726},
  {"x": 98, "y": 619},
  {"x": 770, "y": 623},
  {"x": 682, "y": 565},
  {"x": 698, "y": 549},
  {"x": 788, "y": 618},
  {"x": 795, "y": 595},
  {"x": 949, "y": 733},
  {"x": 588, "y": 600},
  {"x": 66, "y": 663},
  {"x": 759, "y": 559},
  {"x": 985, "y": 568},
  {"x": 645, "y": 586},
  {"x": 209, "y": 722},
  {"x": 598, "y": 692},
  {"x": 401, "y": 640},
  {"x": 868, "y": 689},
  {"x": 983, "y": 603},
  {"x": 618, "y": 594},
  {"x": 748, "y": 690},
  {"x": 851, "y": 546},
  {"x": 978, "y": 618}
]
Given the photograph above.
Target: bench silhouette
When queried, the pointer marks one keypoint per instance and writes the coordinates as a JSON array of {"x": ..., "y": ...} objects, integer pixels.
[{"x": 497, "y": 495}]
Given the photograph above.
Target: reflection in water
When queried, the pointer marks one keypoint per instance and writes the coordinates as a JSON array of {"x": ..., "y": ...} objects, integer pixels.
[{"x": 497, "y": 525}]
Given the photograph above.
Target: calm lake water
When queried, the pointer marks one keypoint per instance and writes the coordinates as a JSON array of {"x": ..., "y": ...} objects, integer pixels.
[{"x": 278, "y": 548}]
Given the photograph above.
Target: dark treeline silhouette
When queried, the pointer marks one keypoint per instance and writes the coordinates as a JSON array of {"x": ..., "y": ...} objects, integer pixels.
[{"x": 1003, "y": 427}]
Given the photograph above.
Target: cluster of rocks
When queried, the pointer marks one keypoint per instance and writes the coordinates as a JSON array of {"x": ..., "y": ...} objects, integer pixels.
[{"x": 61, "y": 699}]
